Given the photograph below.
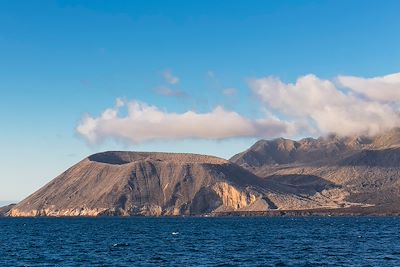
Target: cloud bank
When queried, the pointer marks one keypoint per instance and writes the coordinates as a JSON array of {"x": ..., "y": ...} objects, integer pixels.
[
  {"x": 384, "y": 88},
  {"x": 328, "y": 108},
  {"x": 344, "y": 105},
  {"x": 143, "y": 122}
]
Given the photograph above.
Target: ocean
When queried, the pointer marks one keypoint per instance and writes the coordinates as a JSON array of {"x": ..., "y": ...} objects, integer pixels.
[{"x": 191, "y": 241}]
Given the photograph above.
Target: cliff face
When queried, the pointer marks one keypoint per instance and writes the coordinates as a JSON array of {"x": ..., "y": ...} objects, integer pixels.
[{"x": 128, "y": 183}]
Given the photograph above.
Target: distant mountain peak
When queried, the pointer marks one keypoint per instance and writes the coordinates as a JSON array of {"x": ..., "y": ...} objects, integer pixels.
[{"x": 309, "y": 150}]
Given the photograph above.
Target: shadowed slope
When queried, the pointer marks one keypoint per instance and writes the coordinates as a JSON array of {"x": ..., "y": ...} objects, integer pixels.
[
  {"x": 5, "y": 209},
  {"x": 379, "y": 157}
]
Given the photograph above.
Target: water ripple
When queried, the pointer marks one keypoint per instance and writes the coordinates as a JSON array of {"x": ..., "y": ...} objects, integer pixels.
[{"x": 314, "y": 241}]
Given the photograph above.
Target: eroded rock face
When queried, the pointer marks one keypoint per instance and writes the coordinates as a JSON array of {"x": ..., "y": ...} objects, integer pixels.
[
  {"x": 233, "y": 198},
  {"x": 221, "y": 197}
]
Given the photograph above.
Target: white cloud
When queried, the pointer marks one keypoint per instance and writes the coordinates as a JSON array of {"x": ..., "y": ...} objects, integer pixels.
[
  {"x": 328, "y": 109},
  {"x": 144, "y": 122},
  {"x": 310, "y": 106},
  {"x": 229, "y": 91},
  {"x": 384, "y": 88},
  {"x": 170, "y": 78}
]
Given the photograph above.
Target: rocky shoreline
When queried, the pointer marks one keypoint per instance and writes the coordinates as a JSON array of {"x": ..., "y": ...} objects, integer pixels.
[
  {"x": 364, "y": 211},
  {"x": 339, "y": 212}
]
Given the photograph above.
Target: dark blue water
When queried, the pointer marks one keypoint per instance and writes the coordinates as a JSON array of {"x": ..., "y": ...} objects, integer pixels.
[{"x": 360, "y": 241}]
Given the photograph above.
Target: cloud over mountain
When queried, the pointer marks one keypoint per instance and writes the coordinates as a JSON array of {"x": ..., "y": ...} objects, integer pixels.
[
  {"x": 328, "y": 108},
  {"x": 383, "y": 88},
  {"x": 346, "y": 105},
  {"x": 143, "y": 122}
]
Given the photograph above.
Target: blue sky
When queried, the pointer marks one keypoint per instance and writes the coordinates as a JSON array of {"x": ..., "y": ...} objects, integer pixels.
[{"x": 60, "y": 60}]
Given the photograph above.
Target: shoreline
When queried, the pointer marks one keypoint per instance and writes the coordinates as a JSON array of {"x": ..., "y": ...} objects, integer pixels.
[{"x": 375, "y": 211}]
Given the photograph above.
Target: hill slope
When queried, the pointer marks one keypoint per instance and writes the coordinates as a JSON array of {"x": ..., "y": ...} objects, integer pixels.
[
  {"x": 366, "y": 169},
  {"x": 136, "y": 183},
  {"x": 129, "y": 183},
  {"x": 321, "y": 151}
]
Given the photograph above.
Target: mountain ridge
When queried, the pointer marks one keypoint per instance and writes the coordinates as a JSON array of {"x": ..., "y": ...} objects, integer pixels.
[
  {"x": 286, "y": 151},
  {"x": 366, "y": 168}
]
